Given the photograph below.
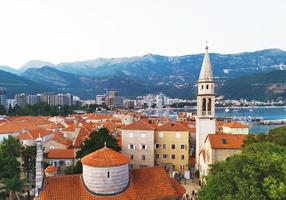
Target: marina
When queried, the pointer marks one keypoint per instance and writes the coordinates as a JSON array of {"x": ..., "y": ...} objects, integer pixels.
[{"x": 260, "y": 119}]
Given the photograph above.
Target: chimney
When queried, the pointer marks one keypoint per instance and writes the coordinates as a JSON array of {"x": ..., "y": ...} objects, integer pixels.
[{"x": 39, "y": 167}]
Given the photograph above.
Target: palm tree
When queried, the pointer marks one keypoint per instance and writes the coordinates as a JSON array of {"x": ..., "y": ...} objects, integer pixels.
[{"x": 13, "y": 188}]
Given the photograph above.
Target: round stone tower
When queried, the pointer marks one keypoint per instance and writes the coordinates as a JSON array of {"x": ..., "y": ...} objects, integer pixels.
[{"x": 105, "y": 172}]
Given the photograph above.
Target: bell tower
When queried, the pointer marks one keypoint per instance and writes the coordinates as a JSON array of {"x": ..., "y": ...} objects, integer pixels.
[
  {"x": 206, "y": 96},
  {"x": 205, "y": 120}
]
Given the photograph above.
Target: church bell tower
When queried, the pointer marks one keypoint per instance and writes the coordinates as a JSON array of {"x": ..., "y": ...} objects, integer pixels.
[{"x": 205, "y": 121}]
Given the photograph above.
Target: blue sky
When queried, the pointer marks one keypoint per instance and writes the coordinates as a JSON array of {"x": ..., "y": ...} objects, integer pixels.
[{"x": 71, "y": 30}]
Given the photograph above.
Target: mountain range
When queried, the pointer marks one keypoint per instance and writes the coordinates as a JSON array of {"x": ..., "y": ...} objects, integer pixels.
[{"x": 175, "y": 76}]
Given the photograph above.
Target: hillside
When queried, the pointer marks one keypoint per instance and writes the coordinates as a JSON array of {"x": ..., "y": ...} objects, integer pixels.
[
  {"x": 83, "y": 86},
  {"x": 265, "y": 85},
  {"x": 16, "y": 84},
  {"x": 175, "y": 76}
]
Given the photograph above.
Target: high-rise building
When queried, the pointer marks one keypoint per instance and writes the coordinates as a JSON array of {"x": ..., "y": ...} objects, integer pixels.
[
  {"x": 21, "y": 99},
  {"x": 113, "y": 99},
  {"x": 33, "y": 99},
  {"x": 100, "y": 99},
  {"x": 3, "y": 96},
  {"x": 57, "y": 99},
  {"x": 205, "y": 120}
]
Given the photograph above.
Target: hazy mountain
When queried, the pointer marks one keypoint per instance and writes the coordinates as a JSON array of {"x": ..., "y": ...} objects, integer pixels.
[
  {"x": 9, "y": 69},
  {"x": 35, "y": 64},
  {"x": 84, "y": 86},
  {"x": 176, "y": 76},
  {"x": 16, "y": 84}
]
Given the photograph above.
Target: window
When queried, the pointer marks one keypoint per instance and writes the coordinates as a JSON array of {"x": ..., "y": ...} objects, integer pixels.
[
  {"x": 178, "y": 135},
  {"x": 131, "y": 166},
  {"x": 161, "y": 134},
  {"x": 108, "y": 174},
  {"x": 202, "y": 87},
  {"x": 131, "y": 135},
  {"x": 173, "y": 156},
  {"x": 164, "y": 156},
  {"x": 68, "y": 163},
  {"x": 182, "y": 146},
  {"x": 207, "y": 86},
  {"x": 182, "y": 157},
  {"x": 143, "y": 166},
  {"x": 143, "y": 146},
  {"x": 143, "y": 157},
  {"x": 131, "y": 146},
  {"x": 173, "y": 146},
  {"x": 143, "y": 135},
  {"x": 224, "y": 141},
  {"x": 157, "y": 156},
  {"x": 157, "y": 146},
  {"x": 164, "y": 146},
  {"x": 131, "y": 157}
]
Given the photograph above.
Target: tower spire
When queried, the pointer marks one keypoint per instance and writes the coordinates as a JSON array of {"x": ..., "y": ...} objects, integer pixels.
[{"x": 206, "y": 73}]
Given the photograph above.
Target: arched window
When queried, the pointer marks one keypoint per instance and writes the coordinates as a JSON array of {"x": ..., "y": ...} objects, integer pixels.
[
  {"x": 204, "y": 104},
  {"x": 207, "y": 86},
  {"x": 202, "y": 87},
  {"x": 108, "y": 174},
  {"x": 210, "y": 105}
]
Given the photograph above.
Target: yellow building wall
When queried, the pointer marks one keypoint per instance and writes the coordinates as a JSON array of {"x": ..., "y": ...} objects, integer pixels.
[
  {"x": 229, "y": 130},
  {"x": 169, "y": 138}
]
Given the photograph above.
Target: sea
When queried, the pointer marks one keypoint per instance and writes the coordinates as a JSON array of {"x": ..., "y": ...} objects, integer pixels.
[
  {"x": 265, "y": 113},
  {"x": 262, "y": 113}
]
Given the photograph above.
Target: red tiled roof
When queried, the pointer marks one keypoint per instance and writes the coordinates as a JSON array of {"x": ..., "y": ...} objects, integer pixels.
[
  {"x": 178, "y": 187},
  {"x": 172, "y": 126},
  {"x": 33, "y": 134},
  {"x": 104, "y": 157},
  {"x": 145, "y": 184},
  {"x": 235, "y": 125},
  {"x": 226, "y": 141},
  {"x": 82, "y": 135},
  {"x": 140, "y": 125},
  {"x": 59, "y": 138},
  {"x": 61, "y": 153},
  {"x": 51, "y": 169}
]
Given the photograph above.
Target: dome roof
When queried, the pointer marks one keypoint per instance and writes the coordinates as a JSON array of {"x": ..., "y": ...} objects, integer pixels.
[
  {"x": 51, "y": 169},
  {"x": 104, "y": 157}
]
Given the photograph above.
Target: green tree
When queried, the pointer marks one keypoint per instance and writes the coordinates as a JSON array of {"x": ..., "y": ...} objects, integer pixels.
[
  {"x": 259, "y": 172},
  {"x": 10, "y": 151},
  {"x": 14, "y": 188},
  {"x": 95, "y": 141},
  {"x": 28, "y": 155}
]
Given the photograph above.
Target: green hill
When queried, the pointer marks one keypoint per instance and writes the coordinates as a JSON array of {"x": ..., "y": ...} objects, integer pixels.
[
  {"x": 16, "y": 84},
  {"x": 263, "y": 86}
]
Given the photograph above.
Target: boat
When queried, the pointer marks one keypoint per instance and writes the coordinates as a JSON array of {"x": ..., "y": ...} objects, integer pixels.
[{"x": 226, "y": 110}]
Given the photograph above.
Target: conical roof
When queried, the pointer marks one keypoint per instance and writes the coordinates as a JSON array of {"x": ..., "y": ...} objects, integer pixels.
[
  {"x": 206, "y": 73},
  {"x": 105, "y": 157}
]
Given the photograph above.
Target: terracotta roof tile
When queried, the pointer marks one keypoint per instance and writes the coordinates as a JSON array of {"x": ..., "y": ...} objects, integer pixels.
[
  {"x": 33, "y": 134},
  {"x": 51, "y": 169},
  {"x": 59, "y": 138},
  {"x": 140, "y": 125},
  {"x": 172, "y": 126},
  {"x": 226, "y": 141},
  {"x": 145, "y": 184},
  {"x": 61, "y": 153},
  {"x": 82, "y": 135},
  {"x": 235, "y": 125},
  {"x": 104, "y": 157}
]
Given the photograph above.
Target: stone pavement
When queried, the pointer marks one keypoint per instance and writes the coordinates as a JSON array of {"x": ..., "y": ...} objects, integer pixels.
[{"x": 190, "y": 186}]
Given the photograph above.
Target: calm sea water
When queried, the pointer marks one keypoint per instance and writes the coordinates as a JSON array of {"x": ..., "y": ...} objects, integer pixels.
[{"x": 267, "y": 113}]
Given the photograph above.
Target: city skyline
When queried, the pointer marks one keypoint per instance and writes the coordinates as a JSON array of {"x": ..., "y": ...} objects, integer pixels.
[{"x": 67, "y": 31}]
